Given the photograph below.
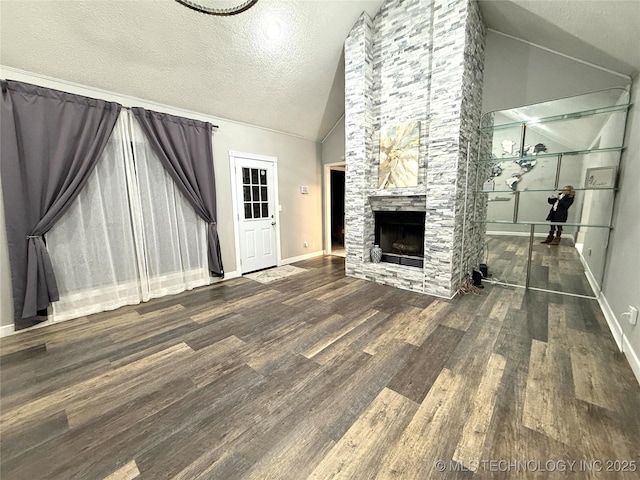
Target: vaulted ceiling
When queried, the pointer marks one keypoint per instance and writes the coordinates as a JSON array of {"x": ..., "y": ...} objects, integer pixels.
[{"x": 227, "y": 67}]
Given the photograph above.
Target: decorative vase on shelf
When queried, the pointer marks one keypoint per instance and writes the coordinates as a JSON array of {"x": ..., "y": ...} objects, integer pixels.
[{"x": 376, "y": 254}]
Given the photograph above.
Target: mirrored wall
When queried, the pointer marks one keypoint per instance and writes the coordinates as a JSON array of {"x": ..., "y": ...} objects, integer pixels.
[{"x": 531, "y": 153}]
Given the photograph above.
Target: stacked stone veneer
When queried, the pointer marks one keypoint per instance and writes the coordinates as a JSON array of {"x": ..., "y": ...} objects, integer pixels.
[{"x": 418, "y": 60}]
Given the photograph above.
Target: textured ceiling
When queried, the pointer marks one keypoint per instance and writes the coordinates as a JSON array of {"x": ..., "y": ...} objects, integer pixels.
[{"x": 226, "y": 67}]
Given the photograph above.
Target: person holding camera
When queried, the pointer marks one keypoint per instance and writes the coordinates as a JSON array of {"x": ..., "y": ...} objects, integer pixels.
[{"x": 559, "y": 213}]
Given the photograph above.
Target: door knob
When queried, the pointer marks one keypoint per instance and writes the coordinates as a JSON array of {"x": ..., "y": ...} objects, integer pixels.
[{"x": 273, "y": 223}]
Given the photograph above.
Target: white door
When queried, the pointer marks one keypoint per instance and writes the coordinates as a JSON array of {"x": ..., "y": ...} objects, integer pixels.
[{"x": 255, "y": 195}]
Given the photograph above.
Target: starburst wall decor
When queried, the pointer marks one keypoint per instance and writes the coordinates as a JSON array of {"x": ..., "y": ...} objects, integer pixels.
[{"x": 399, "y": 149}]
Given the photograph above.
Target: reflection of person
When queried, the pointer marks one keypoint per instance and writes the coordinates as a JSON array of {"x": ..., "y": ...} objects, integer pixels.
[{"x": 559, "y": 212}]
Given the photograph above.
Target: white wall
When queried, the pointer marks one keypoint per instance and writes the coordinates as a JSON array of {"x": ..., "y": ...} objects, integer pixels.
[
  {"x": 299, "y": 163},
  {"x": 621, "y": 286},
  {"x": 517, "y": 73},
  {"x": 333, "y": 144}
]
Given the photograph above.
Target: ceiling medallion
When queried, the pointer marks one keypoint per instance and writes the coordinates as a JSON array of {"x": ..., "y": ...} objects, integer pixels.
[{"x": 234, "y": 7}]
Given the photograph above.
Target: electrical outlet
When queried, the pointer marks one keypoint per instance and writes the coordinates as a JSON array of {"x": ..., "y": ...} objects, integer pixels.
[
  {"x": 305, "y": 244},
  {"x": 588, "y": 252}
]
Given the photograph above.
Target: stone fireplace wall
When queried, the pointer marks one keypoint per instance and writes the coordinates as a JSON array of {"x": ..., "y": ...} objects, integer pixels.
[{"x": 418, "y": 60}]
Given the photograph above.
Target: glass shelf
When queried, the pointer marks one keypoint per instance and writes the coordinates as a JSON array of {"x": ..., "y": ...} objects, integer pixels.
[
  {"x": 557, "y": 118},
  {"x": 532, "y": 190},
  {"x": 551, "y": 155},
  {"x": 525, "y": 155}
]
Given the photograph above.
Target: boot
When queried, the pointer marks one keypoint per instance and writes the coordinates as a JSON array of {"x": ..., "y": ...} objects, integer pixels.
[
  {"x": 549, "y": 239},
  {"x": 555, "y": 241}
]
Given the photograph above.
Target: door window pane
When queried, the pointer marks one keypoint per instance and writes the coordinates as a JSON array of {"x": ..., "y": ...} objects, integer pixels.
[{"x": 255, "y": 193}]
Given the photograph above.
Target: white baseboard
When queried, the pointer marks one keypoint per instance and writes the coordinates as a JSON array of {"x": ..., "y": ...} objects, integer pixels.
[
  {"x": 227, "y": 276},
  {"x": 587, "y": 272},
  {"x": 632, "y": 357},
  {"x": 612, "y": 321},
  {"x": 620, "y": 338},
  {"x": 6, "y": 330},
  {"x": 299, "y": 258}
]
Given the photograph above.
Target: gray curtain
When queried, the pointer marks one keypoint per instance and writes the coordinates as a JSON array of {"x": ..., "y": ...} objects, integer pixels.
[
  {"x": 184, "y": 148},
  {"x": 50, "y": 142}
]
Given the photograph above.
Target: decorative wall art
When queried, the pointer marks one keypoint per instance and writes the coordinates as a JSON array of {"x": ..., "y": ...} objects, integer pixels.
[
  {"x": 515, "y": 163},
  {"x": 600, "y": 177},
  {"x": 399, "y": 149}
]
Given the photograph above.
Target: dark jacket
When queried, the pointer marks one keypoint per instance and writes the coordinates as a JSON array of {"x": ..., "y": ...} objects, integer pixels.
[{"x": 561, "y": 213}]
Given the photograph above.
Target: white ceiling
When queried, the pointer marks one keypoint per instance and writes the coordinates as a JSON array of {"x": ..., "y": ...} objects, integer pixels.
[{"x": 226, "y": 67}]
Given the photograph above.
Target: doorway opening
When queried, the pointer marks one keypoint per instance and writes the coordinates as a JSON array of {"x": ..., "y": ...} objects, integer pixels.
[{"x": 334, "y": 209}]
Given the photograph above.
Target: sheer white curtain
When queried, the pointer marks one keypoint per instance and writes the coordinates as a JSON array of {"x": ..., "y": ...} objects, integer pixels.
[
  {"x": 129, "y": 236},
  {"x": 174, "y": 235},
  {"x": 92, "y": 246}
]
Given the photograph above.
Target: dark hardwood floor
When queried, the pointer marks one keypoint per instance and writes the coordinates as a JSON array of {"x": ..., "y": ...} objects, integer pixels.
[{"x": 322, "y": 376}]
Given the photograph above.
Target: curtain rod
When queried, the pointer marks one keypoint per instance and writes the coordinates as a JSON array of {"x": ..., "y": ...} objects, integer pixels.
[
  {"x": 216, "y": 127},
  {"x": 133, "y": 99}
]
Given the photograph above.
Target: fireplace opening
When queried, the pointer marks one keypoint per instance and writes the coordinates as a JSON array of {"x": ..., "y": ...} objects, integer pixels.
[{"x": 400, "y": 235}]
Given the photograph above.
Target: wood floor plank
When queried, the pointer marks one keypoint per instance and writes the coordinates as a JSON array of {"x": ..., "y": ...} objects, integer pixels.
[
  {"x": 471, "y": 445},
  {"x": 32, "y": 435},
  {"x": 507, "y": 438},
  {"x": 18, "y": 357},
  {"x": 293, "y": 456},
  {"x": 415, "y": 453},
  {"x": 238, "y": 304},
  {"x": 91, "y": 443},
  {"x": 426, "y": 363},
  {"x": 110, "y": 383},
  {"x": 353, "y": 396},
  {"x": 355, "y": 340},
  {"x": 398, "y": 328},
  {"x": 592, "y": 372},
  {"x": 535, "y": 305},
  {"x": 153, "y": 323},
  {"x": 357, "y": 453},
  {"x": 40, "y": 335},
  {"x": 285, "y": 418},
  {"x": 127, "y": 472},
  {"x": 550, "y": 409},
  {"x": 226, "y": 438},
  {"x": 457, "y": 313},
  {"x": 53, "y": 369},
  {"x": 337, "y": 334},
  {"x": 160, "y": 441}
]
